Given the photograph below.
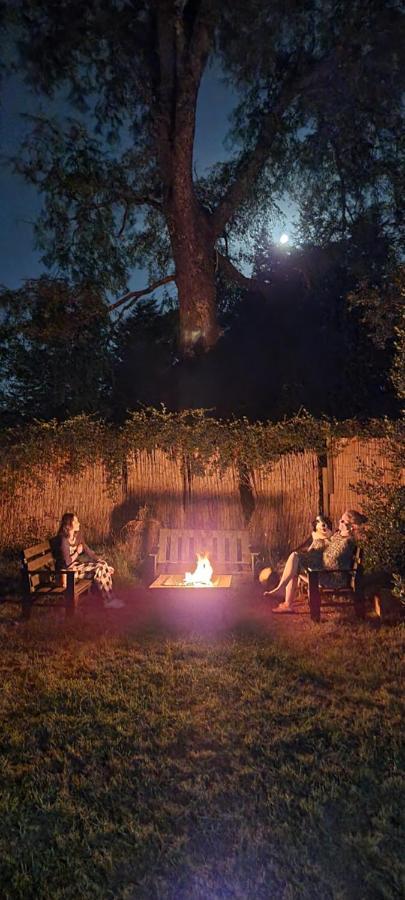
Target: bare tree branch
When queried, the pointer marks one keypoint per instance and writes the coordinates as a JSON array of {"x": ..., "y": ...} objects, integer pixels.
[
  {"x": 201, "y": 37},
  {"x": 124, "y": 221},
  {"x": 343, "y": 194},
  {"x": 132, "y": 296},
  {"x": 230, "y": 271},
  {"x": 124, "y": 197},
  {"x": 252, "y": 163},
  {"x": 249, "y": 168}
]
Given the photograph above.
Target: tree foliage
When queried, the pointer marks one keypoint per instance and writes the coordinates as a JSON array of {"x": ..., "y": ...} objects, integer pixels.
[
  {"x": 318, "y": 86},
  {"x": 54, "y": 350},
  {"x": 292, "y": 343},
  {"x": 382, "y": 310}
]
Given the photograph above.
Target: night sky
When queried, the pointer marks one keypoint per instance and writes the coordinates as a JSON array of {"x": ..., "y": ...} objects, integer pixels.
[{"x": 20, "y": 203}]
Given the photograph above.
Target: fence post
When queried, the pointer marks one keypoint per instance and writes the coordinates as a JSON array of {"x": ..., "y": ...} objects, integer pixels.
[
  {"x": 326, "y": 480},
  {"x": 325, "y": 500}
]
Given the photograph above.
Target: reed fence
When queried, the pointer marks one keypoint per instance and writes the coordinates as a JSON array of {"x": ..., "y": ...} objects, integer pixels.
[{"x": 276, "y": 503}]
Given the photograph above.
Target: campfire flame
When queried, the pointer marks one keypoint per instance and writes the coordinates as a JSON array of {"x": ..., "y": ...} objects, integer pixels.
[{"x": 202, "y": 575}]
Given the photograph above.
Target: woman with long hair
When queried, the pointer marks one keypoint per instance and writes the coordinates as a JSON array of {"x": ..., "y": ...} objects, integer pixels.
[
  {"x": 337, "y": 553},
  {"x": 69, "y": 549}
]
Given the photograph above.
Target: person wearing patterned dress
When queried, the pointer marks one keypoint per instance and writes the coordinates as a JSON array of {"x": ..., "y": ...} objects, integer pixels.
[
  {"x": 336, "y": 553},
  {"x": 69, "y": 549}
]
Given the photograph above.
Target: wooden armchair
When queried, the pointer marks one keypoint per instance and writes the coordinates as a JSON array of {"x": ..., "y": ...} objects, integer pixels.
[{"x": 310, "y": 583}]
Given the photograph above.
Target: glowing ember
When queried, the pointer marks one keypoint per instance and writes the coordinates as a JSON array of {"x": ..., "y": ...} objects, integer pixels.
[{"x": 201, "y": 577}]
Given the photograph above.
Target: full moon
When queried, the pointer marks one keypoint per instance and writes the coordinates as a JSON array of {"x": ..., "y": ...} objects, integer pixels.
[{"x": 284, "y": 239}]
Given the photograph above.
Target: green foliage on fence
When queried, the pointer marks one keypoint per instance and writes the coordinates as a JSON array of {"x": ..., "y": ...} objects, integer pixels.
[
  {"x": 200, "y": 444},
  {"x": 193, "y": 437}
]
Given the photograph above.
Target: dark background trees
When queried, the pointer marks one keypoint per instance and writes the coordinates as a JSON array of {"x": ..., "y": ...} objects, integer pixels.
[
  {"x": 307, "y": 337},
  {"x": 318, "y": 116},
  {"x": 319, "y": 91},
  {"x": 54, "y": 351}
]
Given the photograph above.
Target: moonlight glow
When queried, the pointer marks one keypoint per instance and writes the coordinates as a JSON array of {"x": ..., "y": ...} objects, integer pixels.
[{"x": 284, "y": 239}]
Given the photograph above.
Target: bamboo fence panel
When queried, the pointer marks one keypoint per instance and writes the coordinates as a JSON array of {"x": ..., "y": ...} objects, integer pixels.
[
  {"x": 344, "y": 466},
  {"x": 286, "y": 499},
  {"x": 214, "y": 501},
  {"x": 36, "y": 508},
  {"x": 283, "y": 499},
  {"x": 154, "y": 479}
]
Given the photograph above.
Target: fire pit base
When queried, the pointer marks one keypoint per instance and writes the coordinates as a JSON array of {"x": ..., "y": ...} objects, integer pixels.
[{"x": 177, "y": 581}]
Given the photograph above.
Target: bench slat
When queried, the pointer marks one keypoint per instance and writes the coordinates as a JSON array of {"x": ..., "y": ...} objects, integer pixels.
[
  {"x": 37, "y": 550},
  {"x": 42, "y": 562},
  {"x": 228, "y": 550},
  {"x": 36, "y": 580},
  {"x": 83, "y": 585},
  {"x": 49, "y": 589}
]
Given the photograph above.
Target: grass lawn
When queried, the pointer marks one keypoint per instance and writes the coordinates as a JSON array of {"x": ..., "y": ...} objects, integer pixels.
[{"x": 141, "y": 760}]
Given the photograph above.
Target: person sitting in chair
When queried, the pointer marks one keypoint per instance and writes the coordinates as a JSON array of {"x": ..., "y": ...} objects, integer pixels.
[
  {"x": 335, "y": 552},
  {"x": 321, "y": 534},
  {"x": 69, "y": 547}
]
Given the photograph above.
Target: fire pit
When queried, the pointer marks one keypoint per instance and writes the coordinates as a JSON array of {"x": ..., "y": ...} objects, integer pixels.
[
  {"x": 202, "y": 577},
  {"x": 221, "y": 559},
  {"x": 175, "y": 581}
]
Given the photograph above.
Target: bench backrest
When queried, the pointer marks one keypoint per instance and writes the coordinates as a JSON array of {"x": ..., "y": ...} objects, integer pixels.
[
  {"x": 37, "y": 562},
  {"x": 228, "y": 551}
]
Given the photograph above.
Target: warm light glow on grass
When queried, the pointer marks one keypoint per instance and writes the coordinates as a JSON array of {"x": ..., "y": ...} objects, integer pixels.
[{"x": 154, "y": 716}]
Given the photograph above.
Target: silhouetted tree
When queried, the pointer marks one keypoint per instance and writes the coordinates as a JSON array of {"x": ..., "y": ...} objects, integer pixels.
[
  {"x": 54, "y": 351},
  {"x": 318, "y": 86}
]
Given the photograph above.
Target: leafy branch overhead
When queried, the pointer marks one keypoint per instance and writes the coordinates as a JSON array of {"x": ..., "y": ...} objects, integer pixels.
[{"x": 317, "y": 90}]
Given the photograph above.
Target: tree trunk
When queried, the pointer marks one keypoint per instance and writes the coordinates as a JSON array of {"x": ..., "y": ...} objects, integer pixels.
[
  {"x": 195, "y": 279},
  {"x": 183, "y": 51},
  {"x": 194, "y": 258}
]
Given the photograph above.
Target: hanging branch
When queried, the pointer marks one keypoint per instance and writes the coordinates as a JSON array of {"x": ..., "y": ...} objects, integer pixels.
[{"x": 132, "y": 296}]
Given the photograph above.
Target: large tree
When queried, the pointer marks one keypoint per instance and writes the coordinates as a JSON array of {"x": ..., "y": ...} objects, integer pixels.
[{"x": 318, "y": 87}]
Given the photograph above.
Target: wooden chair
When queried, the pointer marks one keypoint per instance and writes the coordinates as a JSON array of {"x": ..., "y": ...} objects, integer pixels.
[
  {"x": 43, "y": 586},
  {"x": 310, "y": 582}
]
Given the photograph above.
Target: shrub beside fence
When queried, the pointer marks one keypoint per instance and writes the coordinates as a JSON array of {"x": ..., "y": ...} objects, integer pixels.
[{"x": 345, "y": 462}]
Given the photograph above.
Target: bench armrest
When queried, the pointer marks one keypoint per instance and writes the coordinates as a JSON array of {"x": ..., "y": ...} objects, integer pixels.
[{"x": 68, "y": 580}]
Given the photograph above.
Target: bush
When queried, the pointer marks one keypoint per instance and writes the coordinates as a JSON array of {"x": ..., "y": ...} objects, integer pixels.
[{"x": 384, "y": 506}]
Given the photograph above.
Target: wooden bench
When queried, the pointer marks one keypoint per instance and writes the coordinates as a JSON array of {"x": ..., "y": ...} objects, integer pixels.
[
  {"x": 310, "y": 583},
  {"x": 229, "y": 551},
  {"x": 43, "y": 586}
]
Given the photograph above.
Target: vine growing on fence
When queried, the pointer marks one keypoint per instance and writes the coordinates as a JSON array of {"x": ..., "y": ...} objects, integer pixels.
[{"x": 195, "y": 438}]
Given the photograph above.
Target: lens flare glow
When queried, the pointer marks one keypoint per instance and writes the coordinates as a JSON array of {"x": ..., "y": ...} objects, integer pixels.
[{"x": 284, "y": 239}]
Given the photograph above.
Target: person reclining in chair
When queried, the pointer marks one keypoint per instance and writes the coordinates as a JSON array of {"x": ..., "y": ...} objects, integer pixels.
[{"x": 337, "y": 553}]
